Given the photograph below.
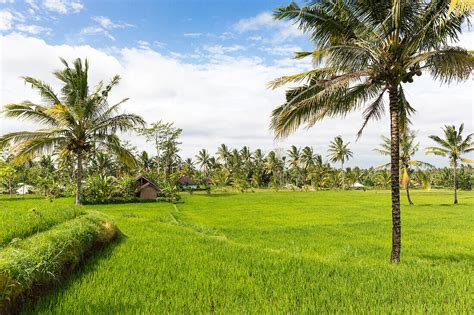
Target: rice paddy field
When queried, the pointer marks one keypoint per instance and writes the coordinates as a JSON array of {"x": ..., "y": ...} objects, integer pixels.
[{"x": 266, "y": 253}]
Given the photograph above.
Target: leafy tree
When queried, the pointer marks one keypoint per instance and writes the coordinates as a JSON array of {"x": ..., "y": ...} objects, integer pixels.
[
  {"x": 223, "y": 154},
  {"x": 294, "y": 160},
  {"x": 74, "y": 122},
  {"x": 204, "y": 160},
  {"x": 339, "y": 152},
  {"x": 146, "y": 163},
  {"x": 453, "y": 146},
  {"x": 165, "y": 137},
  {"x": 188, "y": 168},
  {"x": 408, "y": 148},
  {"x": 370, "y": 48},
  {"x": 7, "y": 175}
]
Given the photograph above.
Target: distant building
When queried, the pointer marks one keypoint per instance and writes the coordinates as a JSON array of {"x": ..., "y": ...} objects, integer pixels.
[
  {"x": 186, "y": 182},
  {"x": 358, "y": 185},
  {"x": 24, "y": 189},
  {"x": 147, "y": 189}
]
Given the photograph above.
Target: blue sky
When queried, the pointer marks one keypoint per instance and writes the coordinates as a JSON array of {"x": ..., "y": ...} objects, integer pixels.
[
  {"x": 170, "y": 27},
  {"x": 203, "y": 65}
]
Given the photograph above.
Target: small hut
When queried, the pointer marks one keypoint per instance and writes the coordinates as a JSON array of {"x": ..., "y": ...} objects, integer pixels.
[
  {"x": 358, "y": 185},
  {"x": 186, "y": 182},
  {"x": 147, "y": 189}
]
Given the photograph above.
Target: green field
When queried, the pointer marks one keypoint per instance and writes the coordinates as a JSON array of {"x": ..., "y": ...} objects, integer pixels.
[{"x": 274, "y": 252}]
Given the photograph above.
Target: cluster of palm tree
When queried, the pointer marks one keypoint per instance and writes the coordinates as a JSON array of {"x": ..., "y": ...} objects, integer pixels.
[
  {"x": 76, "y": 122},
  {"x": 298, "y": 168},
  {"x": 364, "y": 50}
]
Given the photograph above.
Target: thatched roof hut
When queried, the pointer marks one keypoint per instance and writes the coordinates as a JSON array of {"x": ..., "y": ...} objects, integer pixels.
[{"x": 147, "y": 189}]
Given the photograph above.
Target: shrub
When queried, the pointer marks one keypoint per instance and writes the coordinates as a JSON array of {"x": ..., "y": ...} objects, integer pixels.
[
  {"x": 45, "y": 257},
  {"x": 98, "y": 187}
]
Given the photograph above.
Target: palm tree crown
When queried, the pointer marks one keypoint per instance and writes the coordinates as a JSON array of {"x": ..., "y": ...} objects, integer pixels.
[
  {"x": 371, "y": 48},
  {"x": 75, "y": 122},
  {"x": 454, "y": 146},
  {"x": 339, "y": 151}
]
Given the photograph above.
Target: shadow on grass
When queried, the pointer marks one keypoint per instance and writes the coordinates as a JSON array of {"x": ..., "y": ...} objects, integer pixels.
[{"x": 88, "y": 264}]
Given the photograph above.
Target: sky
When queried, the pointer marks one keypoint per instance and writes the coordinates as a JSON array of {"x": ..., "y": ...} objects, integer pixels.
[{"x": 203, "y": 65}]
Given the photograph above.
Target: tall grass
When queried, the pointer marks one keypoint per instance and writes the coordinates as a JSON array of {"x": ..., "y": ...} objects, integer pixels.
[
  {"x": 41, "y": 259},
  {"x": 21, "y": 218},
  {"x": 285, "y": 252}
]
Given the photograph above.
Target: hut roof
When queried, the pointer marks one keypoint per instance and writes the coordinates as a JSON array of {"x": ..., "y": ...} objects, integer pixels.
[
  {"x": 186, "y": 180},
  {"x": 148, "y": 183}
]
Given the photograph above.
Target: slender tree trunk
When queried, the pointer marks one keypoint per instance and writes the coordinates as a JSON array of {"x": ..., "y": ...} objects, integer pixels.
[
  {"x": 79, "y": 178},
  {"x": 455, "y": 182},
  {"x": 395, "y": 173},
  {"x": 408, "y": 193},
  {"x": 342, "y": 173}
]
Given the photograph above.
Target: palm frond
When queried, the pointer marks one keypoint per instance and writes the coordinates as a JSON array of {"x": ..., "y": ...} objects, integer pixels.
[
  {"x": 46, "y": 91},
  {"x": 373, "y": 111}
]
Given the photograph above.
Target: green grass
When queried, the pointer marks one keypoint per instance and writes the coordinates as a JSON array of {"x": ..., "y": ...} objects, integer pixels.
[
  {"x": 23, "y": 217},
  {"x": 44, "y": 258},
  {"x": 285, "y": 252}
]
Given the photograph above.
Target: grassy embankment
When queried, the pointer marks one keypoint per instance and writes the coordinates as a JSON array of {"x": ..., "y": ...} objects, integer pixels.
[{"x": 39, "y": 246}]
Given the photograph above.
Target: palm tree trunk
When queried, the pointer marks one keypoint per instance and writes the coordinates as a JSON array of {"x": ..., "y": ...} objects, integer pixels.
[
  {"x": 342, "y": 173},
  {"x": 79, "y": 178},
  {"x": 455, "y": 182},
  {"x": 395, "y": 173},
  {"x": 408, "y": 193}
]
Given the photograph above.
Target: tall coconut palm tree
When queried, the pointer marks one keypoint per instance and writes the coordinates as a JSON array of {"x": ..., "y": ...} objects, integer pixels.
[
  {"x": 188, "y": 168},
  {"x": 204, "y": 160},
  {"x": 75, "y": 122},
  {"x": 408, "y": 148},
  {"x": 339, "y": 152},
  {"x": 223, "y": 154},
  {"x": 275, "y": 165},
  {"x": 294, "y": 156},
  {"x": 370, "y": 48},
  {"x": 453, "y": 146}
]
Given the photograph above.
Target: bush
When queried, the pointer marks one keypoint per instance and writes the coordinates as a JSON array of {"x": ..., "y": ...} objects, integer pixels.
[
  {"x": 98, "y": 188},
  {"x": 45, "y": 257}
]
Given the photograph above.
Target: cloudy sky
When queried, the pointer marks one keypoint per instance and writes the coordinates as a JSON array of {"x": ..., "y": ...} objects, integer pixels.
[{"x": 201, "y": 64}]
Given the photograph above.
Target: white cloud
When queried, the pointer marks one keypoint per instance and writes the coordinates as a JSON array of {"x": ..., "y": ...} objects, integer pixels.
[
  {"x": 8, "y": 18},
  {"x": 220, "y": 50},
  {"x": 264, "y": 19},
  {"x": 32, "y": 4},
  {"x": 226, "y": 36},
  {"x": 193, "y": 34},
  {"x": 63, "y": 6},
  {"x": 255, "y": 38},
  {"x": 6, "y": 1},
  {"x": 107, "y": 23},
  {"x": 95, "y": 30},
  {"x": 222, "y": 101},
  {"x": 281, "y": 50},
  {"x": 33, "y": 29},
  {"x": 283, "y": 30}
]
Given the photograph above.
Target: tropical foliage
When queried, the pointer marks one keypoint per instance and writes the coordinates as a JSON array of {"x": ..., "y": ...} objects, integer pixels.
[
  {"x": 76, "y": 122},
  {"x": 364, "y": 50},
  {"x": 453, "y": 146}
]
